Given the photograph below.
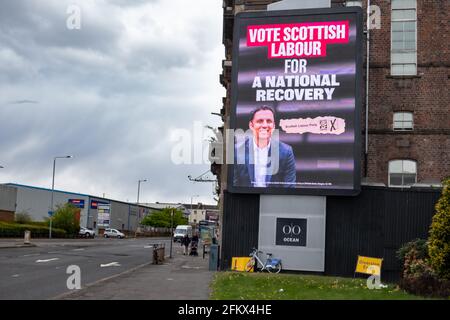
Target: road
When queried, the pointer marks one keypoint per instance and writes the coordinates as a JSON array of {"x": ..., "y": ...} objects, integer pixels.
[{"x": 40, "y": 272}]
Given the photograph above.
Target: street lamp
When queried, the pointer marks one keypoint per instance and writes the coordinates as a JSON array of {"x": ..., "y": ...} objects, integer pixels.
[
  {"x": 191, "y": 203},
  {"x": 191, "y": 200},
  {"x": 139, "y": 188},
  {"x": 137, "y": 214},
  {"x": 171, "y": 231},
  {"x": 53, "y": 189}
]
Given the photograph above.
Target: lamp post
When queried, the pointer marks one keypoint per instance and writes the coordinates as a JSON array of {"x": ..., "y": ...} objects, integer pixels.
[
  {"x": 53, "y": 190},
  {"x": 137, "y": 213},
  {"x": 192, "y": 198},
  {"x": 191, "y": 202},
  {"x": 171, "y": 232}
]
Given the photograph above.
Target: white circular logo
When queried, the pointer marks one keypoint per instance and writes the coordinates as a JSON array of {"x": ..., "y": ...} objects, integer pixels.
[{"x": 292, "y": 229}]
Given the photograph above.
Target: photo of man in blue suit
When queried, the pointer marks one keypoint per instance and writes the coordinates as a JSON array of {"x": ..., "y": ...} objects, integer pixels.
[{"x": 260, "y": 160}]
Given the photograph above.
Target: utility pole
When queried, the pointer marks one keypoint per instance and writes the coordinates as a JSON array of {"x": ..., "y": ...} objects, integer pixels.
[
  {"x": 137, "y": 203},
  {"x": 171, "y": 232},
  {"x": 53, "y": 191}
]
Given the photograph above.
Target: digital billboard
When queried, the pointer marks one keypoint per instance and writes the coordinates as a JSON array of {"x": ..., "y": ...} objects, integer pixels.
[{"x": 295, "y": 102}]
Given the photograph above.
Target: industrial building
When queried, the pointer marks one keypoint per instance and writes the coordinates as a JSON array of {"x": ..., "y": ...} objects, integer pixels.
[
  {"x": 36, "y": 202},
  {"x": 93, "y": 210}
]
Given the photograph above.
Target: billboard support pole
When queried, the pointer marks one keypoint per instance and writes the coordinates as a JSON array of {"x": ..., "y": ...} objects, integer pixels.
[{"x": 367, "y": 92}]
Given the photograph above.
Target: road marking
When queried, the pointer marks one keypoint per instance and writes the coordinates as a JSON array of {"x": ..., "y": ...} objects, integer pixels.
[
  {"x": 112, "y": 264},
  {"x": 30, "y": 255},
  {"x": 146, "y": 247},
  {"x": 189, "y": 267},
  {"x": 79, "y": 249},
  {"x": 15, "y": 275},
  {"x": 170, "y": 279},
  {"x": 47, "y": 260}
]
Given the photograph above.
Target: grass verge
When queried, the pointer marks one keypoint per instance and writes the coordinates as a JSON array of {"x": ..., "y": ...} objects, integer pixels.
[{"x": 264, "y": 286}]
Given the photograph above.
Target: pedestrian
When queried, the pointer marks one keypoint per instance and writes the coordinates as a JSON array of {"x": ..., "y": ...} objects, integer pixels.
[
  {"x": 194, "y": 245},
  {"x": 185, "y": 242}
]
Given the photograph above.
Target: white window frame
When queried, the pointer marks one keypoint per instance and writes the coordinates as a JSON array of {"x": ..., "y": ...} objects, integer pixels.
[
  {"x": 404, "y": 51},
  {"x": 403, "y": 172},
  {"x": 402, "y": 128}
]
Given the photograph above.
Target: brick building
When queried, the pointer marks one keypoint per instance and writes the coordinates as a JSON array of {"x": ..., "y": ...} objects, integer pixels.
[{"x": 408, "y": 96}]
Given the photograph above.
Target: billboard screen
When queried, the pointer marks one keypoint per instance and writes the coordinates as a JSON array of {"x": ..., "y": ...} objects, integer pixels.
[{"x": 295, "y": 108}]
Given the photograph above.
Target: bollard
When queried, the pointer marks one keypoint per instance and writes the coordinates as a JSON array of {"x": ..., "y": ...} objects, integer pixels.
[
  {"x": 158, "y": 254},
  {"x": 213, "y": 257},
  {"x": 27, "y": 237}
]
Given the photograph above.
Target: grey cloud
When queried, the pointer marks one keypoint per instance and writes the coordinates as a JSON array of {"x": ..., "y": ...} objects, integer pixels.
[
  {"x": 131, "y": 3},
  {"x": 24, "y": 101},
  {"x": 111, "y": 104}
]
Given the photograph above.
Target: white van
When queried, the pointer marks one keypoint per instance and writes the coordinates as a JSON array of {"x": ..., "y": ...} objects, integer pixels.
[{"x": 180, "y": 231}]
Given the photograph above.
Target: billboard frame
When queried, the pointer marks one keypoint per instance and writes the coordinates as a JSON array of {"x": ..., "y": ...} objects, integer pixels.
[{"x": 358, "y": 101}]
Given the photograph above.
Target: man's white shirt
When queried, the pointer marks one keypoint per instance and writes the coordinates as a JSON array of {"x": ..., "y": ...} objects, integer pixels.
[{"x": 260, "y": 156}]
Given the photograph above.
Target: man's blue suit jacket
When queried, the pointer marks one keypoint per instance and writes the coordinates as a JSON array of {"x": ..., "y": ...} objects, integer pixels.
[{"x": 244, "y": 169}]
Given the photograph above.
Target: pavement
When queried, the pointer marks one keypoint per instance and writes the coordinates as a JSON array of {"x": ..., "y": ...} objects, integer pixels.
[
  {"x": 179, "y": 278},
  {"x": 14, "y": 243}
]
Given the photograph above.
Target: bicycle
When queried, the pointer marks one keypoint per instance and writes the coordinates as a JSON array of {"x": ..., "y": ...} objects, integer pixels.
[{"x": 272, "y": 265}]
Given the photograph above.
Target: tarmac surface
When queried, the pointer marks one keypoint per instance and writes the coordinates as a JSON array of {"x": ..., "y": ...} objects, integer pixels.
[
  {"x": 179, "y": 278},
  {"x": 38, "y": 271}
]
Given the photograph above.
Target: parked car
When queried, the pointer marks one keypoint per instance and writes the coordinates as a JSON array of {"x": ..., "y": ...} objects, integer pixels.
[
  {"x": 113, "y": 233},
  {"x": 85, "y": 232}
]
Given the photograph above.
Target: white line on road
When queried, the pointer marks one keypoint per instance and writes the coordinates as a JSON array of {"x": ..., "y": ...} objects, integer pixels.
[
  {"x": 30, "y": 255},
  {"x": 47, "y": 260},
  {"x": 15, "y": 275},
  {"x": 112, "y": 264},
  {"x": 79, "y": 249},
  {"x": 146, "y": 247}
]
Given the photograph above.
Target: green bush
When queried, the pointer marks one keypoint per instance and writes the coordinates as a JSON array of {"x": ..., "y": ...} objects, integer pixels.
[
  {"x": 65, "y": 219},
  {"x": 162, "y": 219},
  {"x": 439, "y": 239},
  {"x": 418, "y": 247},
  {"x": 22, "y": 217},
  {"x": 414, "y": 256},
  {"x": 17, "y": 230},
  {"x": 40, "y": 223}
]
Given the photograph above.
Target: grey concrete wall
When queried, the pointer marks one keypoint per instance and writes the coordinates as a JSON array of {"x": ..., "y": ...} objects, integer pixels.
[
  {"x": 119, "y": 216},
  {"x": 310, "y": 257},
  {"x": 8, "y": 196},
  {"x": 37, "y": 202}
]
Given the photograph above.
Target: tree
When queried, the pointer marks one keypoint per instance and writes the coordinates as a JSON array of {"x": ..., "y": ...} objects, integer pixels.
[
  {"x": 163, "y": 218},
  {"x": 65, "y": 218},
  {"x": 439, "y": 239},
  {"x": 23, "y": 217}
]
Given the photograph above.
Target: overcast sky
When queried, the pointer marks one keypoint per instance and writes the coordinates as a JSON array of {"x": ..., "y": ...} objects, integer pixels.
[{"x": 111, "y": 94}]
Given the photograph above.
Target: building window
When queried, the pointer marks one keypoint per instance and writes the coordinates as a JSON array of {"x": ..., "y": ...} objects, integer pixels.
[
  {"x": 403, "y": 121},
  {"x": 403, "y": 37},
  {"x": 402, "y": 173},
  {"x": 353, "y": 3}
]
